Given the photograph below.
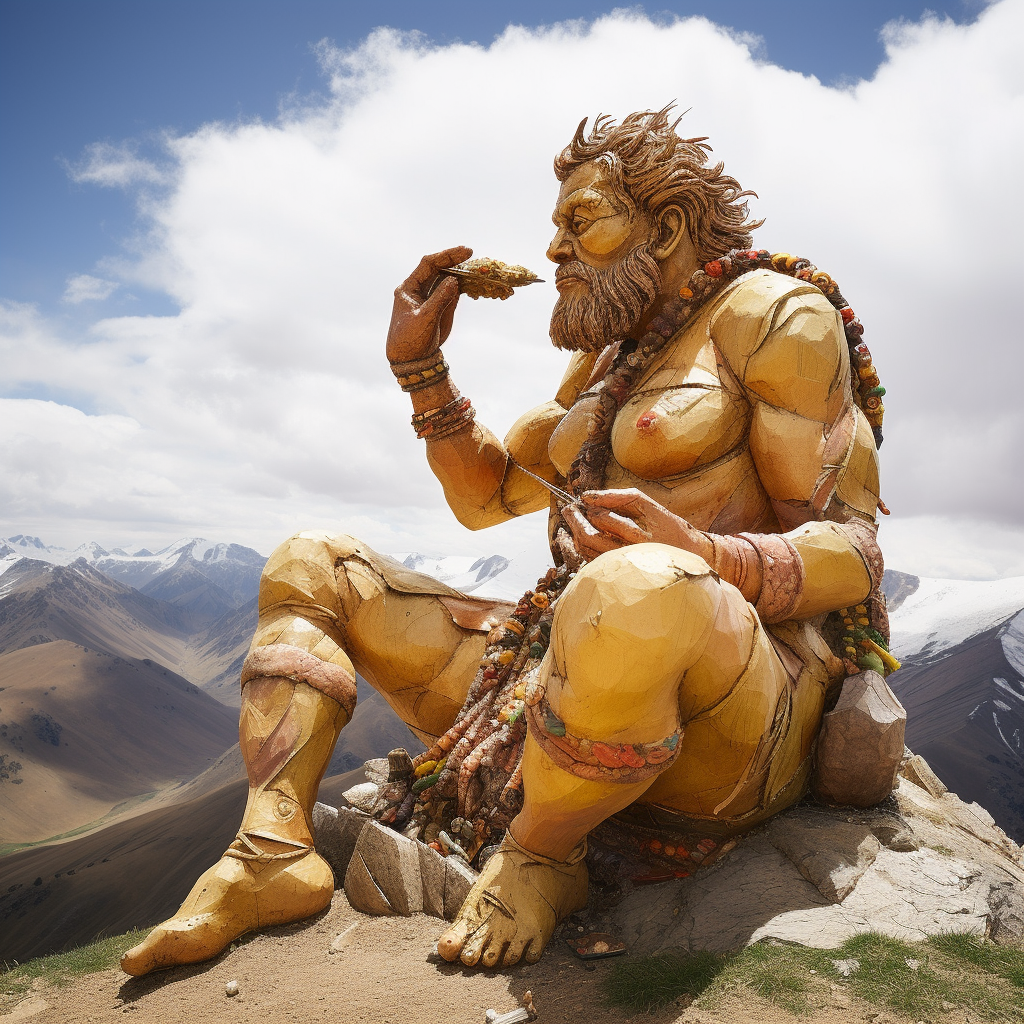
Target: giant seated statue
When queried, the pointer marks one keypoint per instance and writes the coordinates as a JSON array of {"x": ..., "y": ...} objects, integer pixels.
[{"x": 710, "y": 464}]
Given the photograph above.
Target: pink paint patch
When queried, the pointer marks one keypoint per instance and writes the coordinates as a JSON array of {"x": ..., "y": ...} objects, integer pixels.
[{"x": 647, "y": 421}]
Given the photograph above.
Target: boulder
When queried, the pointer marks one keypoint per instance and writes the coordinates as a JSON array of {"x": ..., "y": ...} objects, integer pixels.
[
  {"x": 383, "y": 876},
  {"x": 860, "y": 745},
  {"x": 335, "y": 832},
  {"x": 832, "y": 855},
  {"x": 919, "y": 771},
  {"x": 432, "y": 877},
  {"x": 458, "y": 880}
]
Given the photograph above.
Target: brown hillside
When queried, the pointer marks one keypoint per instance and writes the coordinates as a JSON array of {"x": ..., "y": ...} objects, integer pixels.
[
  {"x": 133, "y": 873},
  {"x": 90, "y": 730},
  {"x": 42, "y": 602},
  {"x": 214, "y": 655}
]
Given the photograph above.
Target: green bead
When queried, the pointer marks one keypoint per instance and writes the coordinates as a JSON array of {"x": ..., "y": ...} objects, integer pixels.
[
  {"x": 536, "y": 650},
  {"x": 425, "y": 783},
  {"x": 554, "y": 726},
  {"x": 869, "y": 661}
]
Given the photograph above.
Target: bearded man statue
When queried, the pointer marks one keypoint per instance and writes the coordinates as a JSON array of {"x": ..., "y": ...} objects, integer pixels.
[{"x": 716, "y": 575}]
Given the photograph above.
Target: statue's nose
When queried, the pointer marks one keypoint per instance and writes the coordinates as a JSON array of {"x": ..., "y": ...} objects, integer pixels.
[{"x": 559, "y": 251}]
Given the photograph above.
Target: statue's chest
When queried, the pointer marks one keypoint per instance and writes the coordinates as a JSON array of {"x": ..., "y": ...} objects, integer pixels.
[{"x": 687, "y": 412}]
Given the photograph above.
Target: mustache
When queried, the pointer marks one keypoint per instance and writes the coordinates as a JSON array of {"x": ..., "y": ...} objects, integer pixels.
[{"x": 575, "y": 271}]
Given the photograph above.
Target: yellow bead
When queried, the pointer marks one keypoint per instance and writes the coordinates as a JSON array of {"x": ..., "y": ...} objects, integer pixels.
[{"x": 506, "y": 657}]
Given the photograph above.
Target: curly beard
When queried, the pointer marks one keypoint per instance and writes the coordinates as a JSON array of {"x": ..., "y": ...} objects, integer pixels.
[{"x": 615, "y": 301}]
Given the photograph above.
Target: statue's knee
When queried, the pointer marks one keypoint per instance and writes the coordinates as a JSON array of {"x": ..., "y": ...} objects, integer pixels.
[
  {"x": 303, "y": 570},
  {"x": 641, "y": 591}
]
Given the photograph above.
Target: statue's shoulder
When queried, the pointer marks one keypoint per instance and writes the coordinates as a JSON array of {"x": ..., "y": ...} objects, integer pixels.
[{"x": 764, "y": 303}]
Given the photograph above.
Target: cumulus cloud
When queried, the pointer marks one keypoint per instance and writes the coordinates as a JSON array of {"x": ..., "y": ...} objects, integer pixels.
[
  {"x": 86, "y": 288},
  {"x": 266, "y": 404}
]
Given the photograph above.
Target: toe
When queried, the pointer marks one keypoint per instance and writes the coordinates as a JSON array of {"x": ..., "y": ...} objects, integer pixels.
[
  {"x": 137, "y": 961},
  {"x": 450, "y": 945},
  {"x": 534, "y": 949},
  {"x": 514, "y": 953},
  {"x": 474, "y": 947},
  {"x": 492, "y": 954}
]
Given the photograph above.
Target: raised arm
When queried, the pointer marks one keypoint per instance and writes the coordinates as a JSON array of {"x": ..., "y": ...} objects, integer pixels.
[{"x": 481, "y": 485}]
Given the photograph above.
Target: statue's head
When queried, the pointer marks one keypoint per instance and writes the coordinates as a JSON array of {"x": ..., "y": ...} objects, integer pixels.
[{"x": 638, "y": 208}]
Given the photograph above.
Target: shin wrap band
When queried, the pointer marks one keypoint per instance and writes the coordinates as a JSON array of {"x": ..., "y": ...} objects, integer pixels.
[
  {"x": 287, "y": 662},
  {"x": 594, "y": 760}
]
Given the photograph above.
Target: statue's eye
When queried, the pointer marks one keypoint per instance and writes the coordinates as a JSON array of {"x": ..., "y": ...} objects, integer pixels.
[{"x": 580, "y": 223}]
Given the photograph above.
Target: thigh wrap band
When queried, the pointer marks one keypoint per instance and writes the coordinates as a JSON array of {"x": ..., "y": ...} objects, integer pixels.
[{"x": 594, "y": 760}]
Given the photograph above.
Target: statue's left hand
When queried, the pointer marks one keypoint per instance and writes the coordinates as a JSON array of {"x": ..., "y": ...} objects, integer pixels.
[
  {"x": 612, "y": 519},
  {"x": 421, "y": 320}
]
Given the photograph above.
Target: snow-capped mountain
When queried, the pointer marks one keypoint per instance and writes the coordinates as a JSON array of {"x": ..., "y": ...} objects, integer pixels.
[
  {"x": 962, "y": 682},
  {"x": 933, "y": 616},
  {"x": 490, "y": 576},
  {"x": 209, "y": 579}
]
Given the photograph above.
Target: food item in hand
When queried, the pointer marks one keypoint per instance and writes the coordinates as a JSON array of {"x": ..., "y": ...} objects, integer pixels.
[{"x": 490, "y": 279}]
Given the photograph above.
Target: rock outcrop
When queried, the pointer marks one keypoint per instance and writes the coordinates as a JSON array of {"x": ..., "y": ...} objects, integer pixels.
[
  {"x": 860, "y": 745},
  {"x": 919, "y": 863}
]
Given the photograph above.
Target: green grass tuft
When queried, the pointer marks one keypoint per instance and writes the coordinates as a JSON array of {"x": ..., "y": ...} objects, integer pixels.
[
  {"x": 644, "y": 985},
  {"x": 953, "y": 970},
  {"x": 919, "y": 980},
  {"x": 61, "y": 968},
  {"x": 1003, "y": 961}
]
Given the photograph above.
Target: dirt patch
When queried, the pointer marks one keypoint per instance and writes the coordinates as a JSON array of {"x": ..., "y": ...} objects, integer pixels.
[{"x": 384, "y": 971}]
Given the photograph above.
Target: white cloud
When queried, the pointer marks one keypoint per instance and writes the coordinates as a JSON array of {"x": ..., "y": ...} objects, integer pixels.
[
  {"x": 86, "y": 288},
  {"x": 266, "y": 404},
  {"x": 115, "y": 167}
]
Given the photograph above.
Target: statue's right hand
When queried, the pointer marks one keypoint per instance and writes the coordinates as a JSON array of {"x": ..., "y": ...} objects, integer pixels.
[{"x": 421, "y": 319}]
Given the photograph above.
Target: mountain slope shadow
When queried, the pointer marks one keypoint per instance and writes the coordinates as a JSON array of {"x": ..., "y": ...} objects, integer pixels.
[{"x": 88, "y": 730}]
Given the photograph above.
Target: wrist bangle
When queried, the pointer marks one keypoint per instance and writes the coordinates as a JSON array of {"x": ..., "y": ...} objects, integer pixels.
[
  {"x": 420, "y": 373},
  {"x": 445, "y": 419}
]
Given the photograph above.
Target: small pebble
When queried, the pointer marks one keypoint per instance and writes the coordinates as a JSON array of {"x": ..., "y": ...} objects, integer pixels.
[{"x": 231, "y": 988}]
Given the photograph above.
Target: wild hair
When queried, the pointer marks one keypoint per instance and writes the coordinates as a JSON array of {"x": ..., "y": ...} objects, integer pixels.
[{"x": 653, "y": 168}]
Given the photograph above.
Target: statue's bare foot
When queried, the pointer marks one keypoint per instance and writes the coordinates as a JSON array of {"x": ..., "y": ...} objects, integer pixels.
[
  {"x": 514, "y": 907},
  {"x": 232, "y": 898}
]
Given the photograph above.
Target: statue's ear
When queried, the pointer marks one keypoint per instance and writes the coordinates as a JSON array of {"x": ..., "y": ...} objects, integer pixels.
[{"x": 672, "y": 229}]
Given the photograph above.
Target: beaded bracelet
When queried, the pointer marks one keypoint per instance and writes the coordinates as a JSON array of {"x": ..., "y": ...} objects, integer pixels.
[
  {"x": 420, "y": 373},
  {"x": 445, "y": 419}
]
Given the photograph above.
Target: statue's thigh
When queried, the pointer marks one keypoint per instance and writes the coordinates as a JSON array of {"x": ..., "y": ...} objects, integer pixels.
[{"x": 413, "y": 653}]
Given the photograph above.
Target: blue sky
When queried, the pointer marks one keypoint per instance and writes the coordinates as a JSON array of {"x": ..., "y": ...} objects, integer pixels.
[
  {"x": 204, "y": 208},
  {"x": 75, "y": 72}
]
